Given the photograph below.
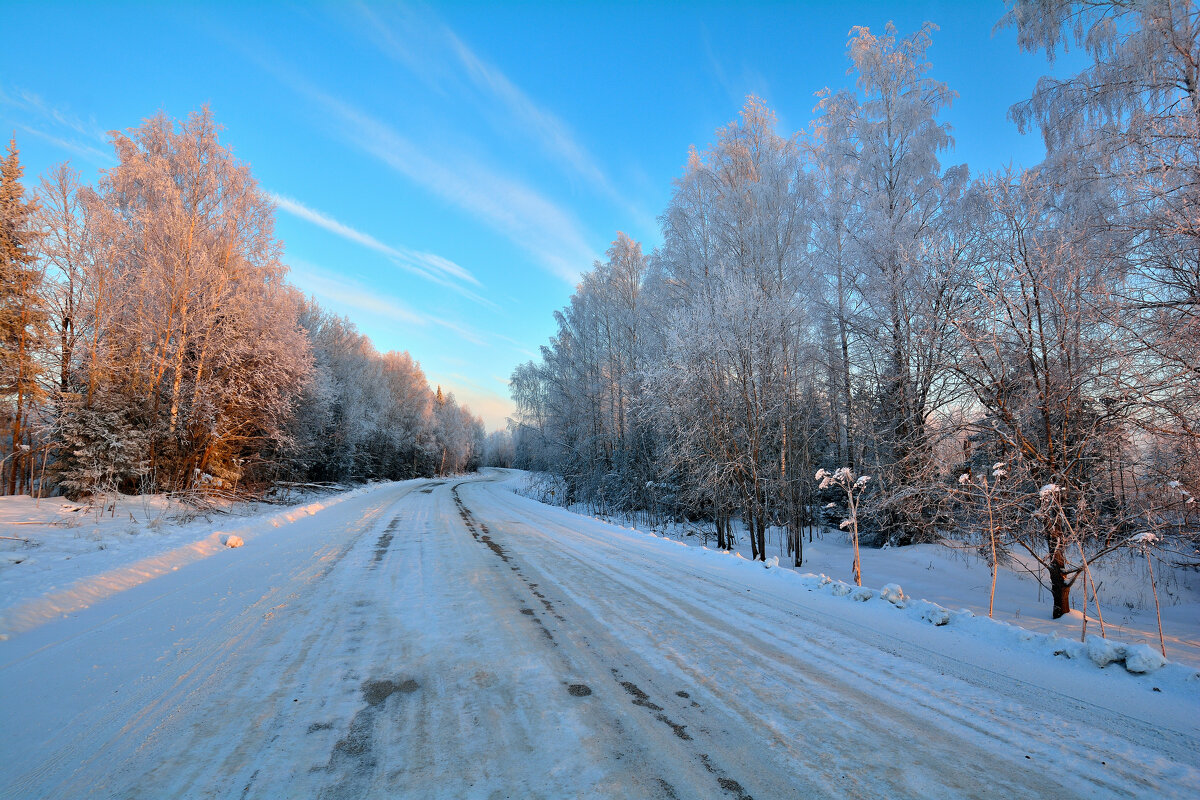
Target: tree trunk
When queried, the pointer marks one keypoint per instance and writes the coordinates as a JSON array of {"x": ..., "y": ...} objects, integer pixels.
[
  {"x": 1060, "y": 587},
  {"x": 761, "y": 525}
]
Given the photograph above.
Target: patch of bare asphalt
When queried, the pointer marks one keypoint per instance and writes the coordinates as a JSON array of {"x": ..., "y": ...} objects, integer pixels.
[
  {"x": 352, "y": 759},
  {"x": 640, "y": 698},
  {"x": 381, "y": 547}
]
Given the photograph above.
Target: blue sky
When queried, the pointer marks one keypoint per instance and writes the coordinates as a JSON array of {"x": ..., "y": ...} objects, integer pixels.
[{"x": 445, "y": 172}]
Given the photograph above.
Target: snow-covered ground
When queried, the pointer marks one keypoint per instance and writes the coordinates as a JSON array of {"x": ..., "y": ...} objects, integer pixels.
[
  {"x": 453, "y": 639},
  {"x": 60, "y": 556},
  {"x": 961, "y": 579}
]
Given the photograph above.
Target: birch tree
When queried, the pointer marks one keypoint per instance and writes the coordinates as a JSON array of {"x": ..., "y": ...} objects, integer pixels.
[
  {"x": 1048, "y": 371},
  {"x": 210, "y": 351},
  {"x": 906, "y": 271},
  {"x": 1128, "y": 125}
]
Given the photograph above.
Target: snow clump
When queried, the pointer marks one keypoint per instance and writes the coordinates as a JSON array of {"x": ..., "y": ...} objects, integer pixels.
[
  {"x": 233, "y": 540},
  {"x": 1102, "y": 652},
  {"x": 1143, "y": 658},
  {"x": 1137, "y": 658},
  {"x": 893, "y": 594},
  {"x": 935, "y": 614}
]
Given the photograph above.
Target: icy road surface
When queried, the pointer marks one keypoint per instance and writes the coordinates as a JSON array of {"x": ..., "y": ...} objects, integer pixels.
[{"x": 451, "y": 639}]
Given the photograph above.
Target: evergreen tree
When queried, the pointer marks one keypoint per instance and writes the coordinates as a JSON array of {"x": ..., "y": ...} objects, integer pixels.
[{"x": 22, "y": 316}]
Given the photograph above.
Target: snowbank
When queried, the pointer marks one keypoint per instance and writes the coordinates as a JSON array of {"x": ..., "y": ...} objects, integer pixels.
[{"x": 71, "y": 555}]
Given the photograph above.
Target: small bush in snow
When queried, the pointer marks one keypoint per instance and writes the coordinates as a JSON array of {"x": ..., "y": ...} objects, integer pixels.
[{"x": 1137, "y": 658}]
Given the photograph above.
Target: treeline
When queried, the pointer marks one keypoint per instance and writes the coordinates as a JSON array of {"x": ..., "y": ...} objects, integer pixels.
[
  {"x": 1013, "y": 358},
  {"x": 149, "y": 340}
]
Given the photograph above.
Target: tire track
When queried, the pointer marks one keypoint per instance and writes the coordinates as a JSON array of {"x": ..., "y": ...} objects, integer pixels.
[
  {"x": 579, "y": 648},
  {"x": 809, "y": 662}
]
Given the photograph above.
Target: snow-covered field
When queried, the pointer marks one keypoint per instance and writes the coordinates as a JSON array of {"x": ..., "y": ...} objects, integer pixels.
[{"x": 453, "y": 639}]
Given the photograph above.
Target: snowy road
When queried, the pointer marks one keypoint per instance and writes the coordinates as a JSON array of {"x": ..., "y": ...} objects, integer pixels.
[{"x": 451, "y": 639}]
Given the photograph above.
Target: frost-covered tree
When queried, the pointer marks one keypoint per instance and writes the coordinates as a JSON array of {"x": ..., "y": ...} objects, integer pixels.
[
  {"x": 577, "y": 410},
  {"x": 172, "y": 347},
  {"x": 1127, "y": 128},
  {"x": 498, "y": 450},
  {"x": 69, "y": 256},
  {"x": 1050, "y": 373},
  {"x": 889, "y": 243},
  {"x": 169, "y": 311},
  {"x": 98, "y": 449},
  {"x": 735, "y": 274},
  {"x": 210, "y": 351},
  {"x": 844, "y": 299}
]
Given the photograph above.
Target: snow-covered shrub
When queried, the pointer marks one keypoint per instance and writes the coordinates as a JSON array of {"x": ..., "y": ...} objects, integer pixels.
[
  {"x": 100, "y": 449},
  {"x": 935, "y": 614}
]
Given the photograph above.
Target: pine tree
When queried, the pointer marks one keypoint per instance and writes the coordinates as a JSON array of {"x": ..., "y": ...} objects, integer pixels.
[{"x": 22, "y": 316}]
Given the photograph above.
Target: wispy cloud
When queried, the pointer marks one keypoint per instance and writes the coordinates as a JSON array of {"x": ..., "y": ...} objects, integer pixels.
[
  {"x": 738, "y": 89},
  {"x": 508, "y": 206},
  {"x": 369, "y": 300},
  {"x": 34, "y": 103},
  {"x": 540, "y": 124},
  {"x": 55, "y": 125},
  {"x": 434, "y": 53},
  {"x": 455, "y": 173},
  {"x": 429, "y": 266},
  {"x": 92, "y": 154},
  {"x": 517, "y": 346}
]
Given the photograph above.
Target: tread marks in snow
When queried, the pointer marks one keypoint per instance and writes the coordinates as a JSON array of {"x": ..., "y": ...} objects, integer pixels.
[
  {"x": 384, "y": 541},
  {"x": 640, "y": 698},
  {"x": 479, "y": 531}
]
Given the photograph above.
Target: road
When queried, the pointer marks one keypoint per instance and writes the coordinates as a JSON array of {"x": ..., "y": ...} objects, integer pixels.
[{"x": 451, "y": 639}]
